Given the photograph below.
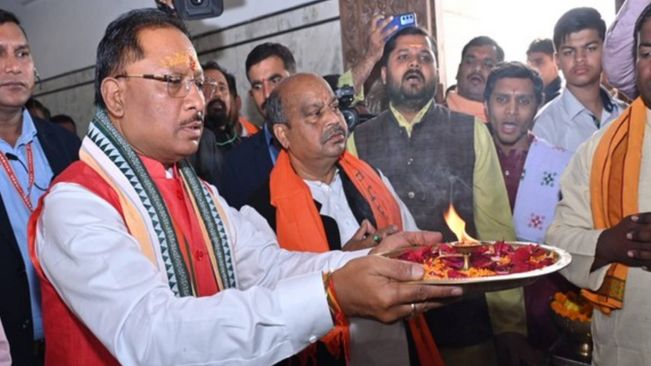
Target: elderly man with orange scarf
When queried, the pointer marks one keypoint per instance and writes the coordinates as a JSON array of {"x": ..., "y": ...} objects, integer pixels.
[
  {"x": 604, "y": 220},
  {"x": 321, "y": 198}
]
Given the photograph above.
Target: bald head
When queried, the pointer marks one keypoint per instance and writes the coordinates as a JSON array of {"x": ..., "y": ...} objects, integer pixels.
[
  {"x": 289, "y": 91},
  {"x": 306, "y": 119}
]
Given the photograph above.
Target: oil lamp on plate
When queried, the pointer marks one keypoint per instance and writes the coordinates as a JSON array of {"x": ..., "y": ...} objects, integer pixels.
[{"x": 465, "y": 243}]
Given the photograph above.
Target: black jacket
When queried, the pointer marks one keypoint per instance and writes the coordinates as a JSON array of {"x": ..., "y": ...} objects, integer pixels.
[
  {"x": 61, "y": 148},
  {"x": 246, "y": 168}
]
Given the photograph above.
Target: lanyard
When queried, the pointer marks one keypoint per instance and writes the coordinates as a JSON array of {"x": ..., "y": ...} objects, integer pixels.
[{"x": 14, "y": 180}]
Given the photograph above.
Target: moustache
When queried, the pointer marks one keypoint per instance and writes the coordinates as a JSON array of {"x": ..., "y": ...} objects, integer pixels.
[
  {"x": 216, "y": 104},
  {"x": 198, "y": 117},
  {"x": 331, "y": 132}
]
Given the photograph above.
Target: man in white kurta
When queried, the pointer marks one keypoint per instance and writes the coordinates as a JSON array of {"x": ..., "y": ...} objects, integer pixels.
[{"x": 621, "y": 338}]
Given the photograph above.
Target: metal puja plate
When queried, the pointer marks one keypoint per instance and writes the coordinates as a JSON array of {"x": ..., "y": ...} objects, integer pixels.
[{"x": 497, "y": 282}]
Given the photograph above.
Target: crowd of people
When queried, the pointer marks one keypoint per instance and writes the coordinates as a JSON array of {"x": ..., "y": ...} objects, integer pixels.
[{"x": 178, "y": 232}]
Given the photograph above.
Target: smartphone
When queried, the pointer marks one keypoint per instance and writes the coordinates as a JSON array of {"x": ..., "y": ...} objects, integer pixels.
[{"x": 404, "y": 20}]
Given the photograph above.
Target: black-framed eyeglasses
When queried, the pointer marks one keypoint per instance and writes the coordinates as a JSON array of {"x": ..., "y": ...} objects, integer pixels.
[{"x": 177, "y": 86}]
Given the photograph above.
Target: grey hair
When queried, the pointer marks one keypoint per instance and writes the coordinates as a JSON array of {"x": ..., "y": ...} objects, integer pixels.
[{"x": 274, "y": 108}]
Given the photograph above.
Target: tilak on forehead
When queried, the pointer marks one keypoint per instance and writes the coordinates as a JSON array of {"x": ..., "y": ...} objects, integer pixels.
[{"x": 181, "y": 59}]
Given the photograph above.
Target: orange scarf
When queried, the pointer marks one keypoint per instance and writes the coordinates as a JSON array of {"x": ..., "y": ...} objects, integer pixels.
[
  {"x": 460, "y": 104},
  {"x": 299, "y": 228},
  {"x": 614, "y": 182},
  {"x": 249, "y": 127}
]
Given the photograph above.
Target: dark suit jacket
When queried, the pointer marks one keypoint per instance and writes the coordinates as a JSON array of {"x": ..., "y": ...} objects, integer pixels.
[
  {"x": 245, "y": 169},
  {"x": 61, "y": 148}
]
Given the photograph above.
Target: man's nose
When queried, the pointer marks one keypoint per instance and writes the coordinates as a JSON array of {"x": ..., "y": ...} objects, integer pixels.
[
  {"x": 335, "y": 116},
  {"x": 414, "y": 62},
  {"x": 10, "y": 64},
  {"x": 512, "y": 107},
  {"x": 267, "y": 88},
  {"x": 477, "y": 66}
]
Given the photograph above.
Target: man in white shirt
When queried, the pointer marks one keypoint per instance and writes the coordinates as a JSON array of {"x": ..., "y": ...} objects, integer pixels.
[
  {"x": 142, "y": 263},
  {"x": 583, "y": 106}
]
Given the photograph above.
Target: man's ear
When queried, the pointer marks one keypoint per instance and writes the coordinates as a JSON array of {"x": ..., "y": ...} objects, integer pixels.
[
  {"x": 113, "y": 96},
  {"x": 280, "y": 131},
  {"x": 486, "y": 111},
  {"x": 383, "y": 75}
]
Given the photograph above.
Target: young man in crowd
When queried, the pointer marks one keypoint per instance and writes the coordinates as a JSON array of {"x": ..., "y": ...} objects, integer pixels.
[
  {"x": 248, "y": 166},
  {"x": 531, "y": 168},
  {"x": 584, "y": 106}
]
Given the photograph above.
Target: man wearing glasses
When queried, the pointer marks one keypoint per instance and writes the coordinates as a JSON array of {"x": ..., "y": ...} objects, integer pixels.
[
  {"x": 144, "y": 264},
  {"x": 223, "y": 130},
  {"x": 223, "y": 107}
]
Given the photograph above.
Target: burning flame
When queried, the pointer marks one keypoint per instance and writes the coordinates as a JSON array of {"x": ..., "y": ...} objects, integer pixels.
[{"x": 458, "y": 226}]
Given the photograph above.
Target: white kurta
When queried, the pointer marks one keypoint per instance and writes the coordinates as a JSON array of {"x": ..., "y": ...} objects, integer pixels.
[
  {"x": 371, "y": 342},
  {"x": 101, "y": 275},
  {"x": 622, "y": 338}
]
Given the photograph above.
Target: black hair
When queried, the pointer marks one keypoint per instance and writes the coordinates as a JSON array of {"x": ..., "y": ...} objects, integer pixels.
[
  {"x": 644, "y": 16},
  {"x": 265, "y": 50},
  {"x": 9, "y": 17},
  {"x": 516, "y": 70},
  {"x": 483, "y": 41},
  {"x": 544, "y": 45},
  {"x": 390, "y": 44},
  {"x": 62, "y": 118},
  {"x": 576, "y": 20},
  {"x": 230, "y": 78},
  {"x": 119, "y": 45}
]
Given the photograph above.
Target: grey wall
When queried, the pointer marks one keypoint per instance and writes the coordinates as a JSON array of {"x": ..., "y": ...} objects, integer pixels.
[
  {"x": 309, "y": 28},
  {"x": 311, "y": 32}
]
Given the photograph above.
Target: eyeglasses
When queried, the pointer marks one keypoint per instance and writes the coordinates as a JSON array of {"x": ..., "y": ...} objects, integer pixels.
[
  {"x": 211, "y": 87},
  {"x": 177, "y": 86}
]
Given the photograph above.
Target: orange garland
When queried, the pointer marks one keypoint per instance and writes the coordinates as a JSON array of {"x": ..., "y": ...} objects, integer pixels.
[{"x": 584, "y": 314}]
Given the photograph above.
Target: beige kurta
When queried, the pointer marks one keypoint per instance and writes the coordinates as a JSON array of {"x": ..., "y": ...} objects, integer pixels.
[{"x": 623, "y": 338}]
